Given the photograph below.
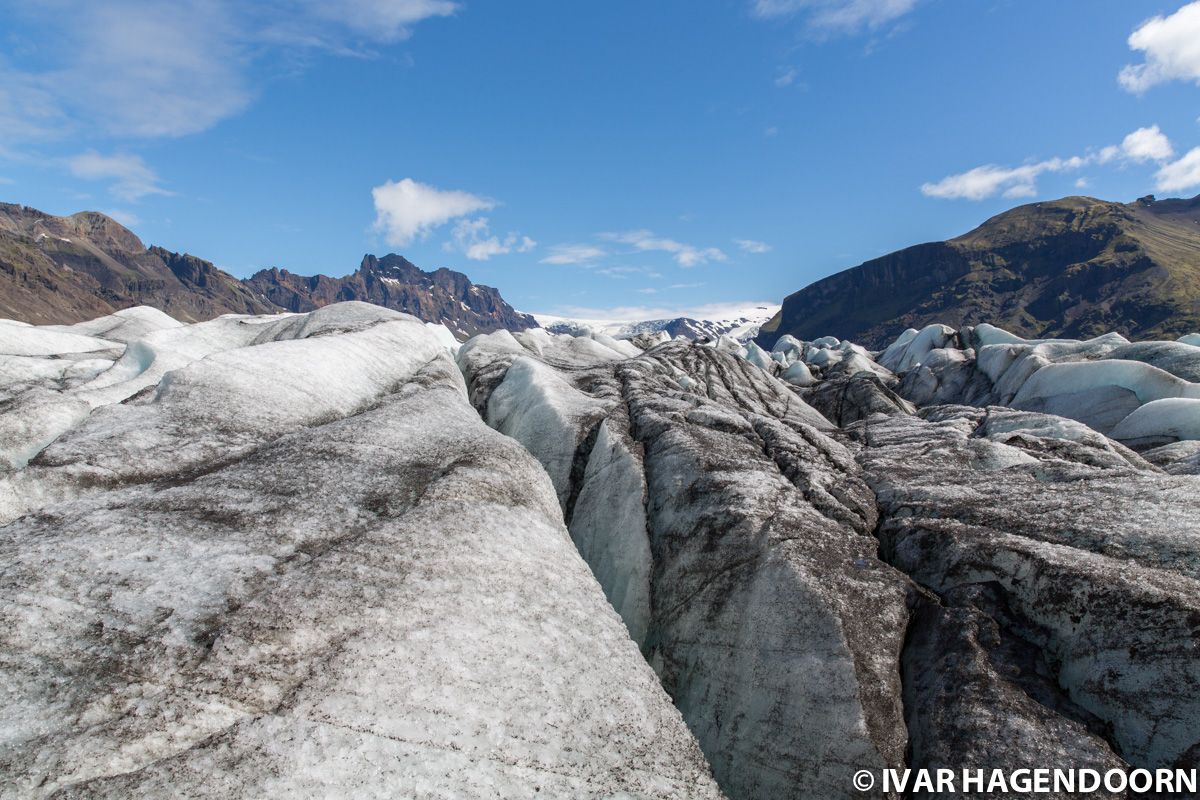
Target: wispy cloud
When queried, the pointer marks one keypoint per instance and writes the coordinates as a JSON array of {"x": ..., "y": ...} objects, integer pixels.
[
  {"x": 752, "y": 246},
  {"x": 989, "y": 180},
  {"x": 685, "y": 255},
  {"x": 406, "y": 210},
  {"x": 786, "y": 76},
  {"x": 845, "y": 16},
  {"x": 574, "y": 254},
  {"x": 474, "y": 239},
  {"x": 126, "y": 218},
  {"x": 622, "y": 272},
  {"x": 1171, "y": 46},
  {"x": 130, "y": 179},
  {"x": 146, "y": 69}
]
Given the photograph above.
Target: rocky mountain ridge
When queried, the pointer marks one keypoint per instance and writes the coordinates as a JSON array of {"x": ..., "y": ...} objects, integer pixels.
[
  {"x": 62, "y": 270},
  {"x": 1075, "y": 267}
]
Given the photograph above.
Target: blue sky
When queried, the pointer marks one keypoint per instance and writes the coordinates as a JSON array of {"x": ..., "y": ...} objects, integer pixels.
[{"x": 651, "y": 157}]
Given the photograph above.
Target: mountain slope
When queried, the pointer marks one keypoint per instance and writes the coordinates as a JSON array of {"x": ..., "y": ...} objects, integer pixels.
[
  {"x": 393, "y": 281},
  {"x": 62, "y": 270},
  {"x": 69, "y": 269},
  {"x": 1075, "y": 267}
]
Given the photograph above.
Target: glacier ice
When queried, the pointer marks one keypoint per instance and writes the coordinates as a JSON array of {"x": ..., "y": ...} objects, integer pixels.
[
  {"x": 285, "y": 556},
  {"x": 301, "y": 565}
]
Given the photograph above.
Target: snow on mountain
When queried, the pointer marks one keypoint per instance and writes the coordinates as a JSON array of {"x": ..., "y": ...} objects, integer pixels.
[{"x": 741, "y": 321}]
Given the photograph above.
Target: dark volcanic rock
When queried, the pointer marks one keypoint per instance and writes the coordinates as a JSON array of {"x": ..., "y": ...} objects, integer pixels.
[
  {"x": 1071, "y": 267},
  {"x": 394, "y": 282}
]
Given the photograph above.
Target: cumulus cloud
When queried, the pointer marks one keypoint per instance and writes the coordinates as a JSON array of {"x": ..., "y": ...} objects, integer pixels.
[
  {"x": 1180, "y": 175},
  {"x": 474, "y": 239},
  {"x": 130, "y": 179},
  {"x": 685, "y": 255},
  {"x": 848, "y": 16},
  {"x": 752, "y": 246},
  {"x": 140, "y": 68},
  {"x": 1171, "y": 46},
  {"x": 406, "y": 210},
  {"x": 1140, "y": 146},
  {"x": 574, "y": 254},
  {"x": 1147, "y": 144}
]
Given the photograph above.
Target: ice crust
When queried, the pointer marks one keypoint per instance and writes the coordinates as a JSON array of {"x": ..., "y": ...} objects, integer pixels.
[{"x": 296, "y": 563}]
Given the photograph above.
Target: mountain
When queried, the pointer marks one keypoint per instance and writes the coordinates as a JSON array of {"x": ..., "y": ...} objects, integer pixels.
[
  {"x": 69, "y": 269},
  {"x": 61, "y": 270},
  {"x": 394, "y": 282},
  {"x": 1076, "y": 267},
  {"x": 741, "y": 323}
]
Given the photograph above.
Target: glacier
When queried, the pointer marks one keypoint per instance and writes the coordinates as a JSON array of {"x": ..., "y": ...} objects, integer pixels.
[{"x": 340, "y": 554}]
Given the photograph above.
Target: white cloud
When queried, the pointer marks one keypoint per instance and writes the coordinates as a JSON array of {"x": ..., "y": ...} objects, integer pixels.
[
  {"x": 980, "y": 183},
  {"x": 148, "y": 69},
  {"x": 621, "y": 273},
  {"x": 1147, "y": 144},
  {"x": 573, "y": 254},
  {"x": 6, "y": 181},
  {"x": 131, "y": 178},
  {"x": 989, "y": 180},
  {"x": 1180, "y": 175},
  {"x": 1082, "y": 183},
  {"x": 685, "y": 255},
  {"x": 379, "y": 20},
  {"x": 406, "y": 210},
  {"x": 473, "y": 238},
  {"x": 752, "y": 246},
  {"x": 771, "y": 132},
  {"x": 848, "y": 16},
  {"x": 1172, "y": 50}
]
